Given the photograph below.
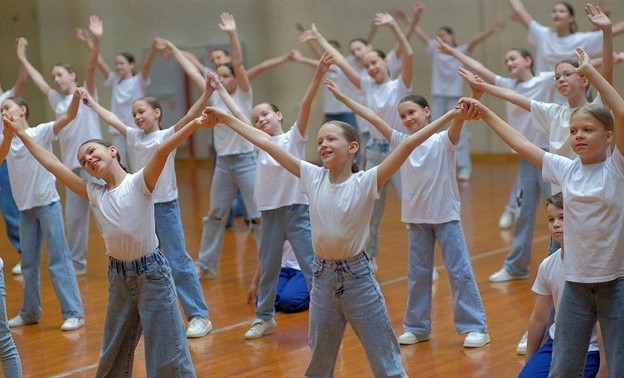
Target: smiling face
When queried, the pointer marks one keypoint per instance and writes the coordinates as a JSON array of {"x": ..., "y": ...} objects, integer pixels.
[
  {"x": 376, "y": 67},
  {"x": 146, "y": 116},
  {"x": 333, "y": 147},
  {"x": 64, "y": 80},
  {"x": 265, "y": 118},
  {"x": 589, "y": 138},
  {"x": 123, "y": 66},
  {"x": 561, "y": 17},
  {"x": 516, "y": 64},
  {"x": 413, "y": 116},
  {"x": 555, "y": 222},
  {"x": 97, "y": 159}
]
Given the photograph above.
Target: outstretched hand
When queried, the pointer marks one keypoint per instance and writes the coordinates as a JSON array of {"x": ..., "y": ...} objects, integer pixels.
[
  {"x": 583, "y": 60},
  {"x": 294, "y": 55},
  {"x": 213, "y": 81},
  {"x": 475, "y": 81},
  {"x": 334, "y": 89},
  {"x": 597, "y": 17},
  {"x": 497, "y": 27},
  {"x": 470, "y": 108},
  {"x": 443, "y": 47},
  {"x": 10, "y": 125},
  {"x": 309, "y": 35},
  {"x": 82, "y": 34},
  {"x": 384, "y": 19},
  {"x": 95, "y": 26},
  {"x": 325, "y": 62},
  {"x": 210, "y": 117},
  {"x": 227, "y": 24},
  {"x": 84, "y": 95},
  {"x": 21, "y": 44}
]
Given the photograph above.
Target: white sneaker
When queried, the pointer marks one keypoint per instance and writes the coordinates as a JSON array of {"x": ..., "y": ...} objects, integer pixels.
[
  {"x": 463, "y": 175},
  {"x": 17, "y": 269},
  {"x": 408, "y": 338},
  {"x": 198, "y": 327},
  {"x": 503, "y": 276},
  {"x": 17, "y": 321},
  {"x": 80, "y": 271},
  {"x": 522, "y": 345},
  {"x": 71, "y": 324},
  {"x": 434, "y": 274},
  {"x": 204, "y": 274},
  {"x": 260, "y": 327},
  {"x": 476, "y": 339},
  {"x": 506, "y": 220}
]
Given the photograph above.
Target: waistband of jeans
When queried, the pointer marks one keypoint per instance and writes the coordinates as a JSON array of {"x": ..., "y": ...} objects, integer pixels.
[
  {"x": 360, "y": 258},
  {"x": 139, "y": 265}
]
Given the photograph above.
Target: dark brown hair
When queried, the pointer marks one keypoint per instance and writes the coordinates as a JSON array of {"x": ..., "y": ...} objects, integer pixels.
[{"x": 107, "y": 145}]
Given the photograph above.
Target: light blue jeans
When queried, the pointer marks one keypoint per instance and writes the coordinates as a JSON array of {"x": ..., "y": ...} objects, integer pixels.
[
  {"x": 468, "y": 312},
  {"x": 531, "y": 184},
  {"x": 441, "y": 105},
  {"x": 376, "y": 151},
  {"x": 580, "y": 305},
  {"x": 142, "y": 299},
  {"x": 231, "y": 172},
  {"x": 171, "y": 236},
  {"x": 45, "y": 224},
  {"x": 10, "y": 211},
  {"x": 346, "y": 291},
  {"x": 9, "y": 355},
  {"x": 290, "y": 223}
]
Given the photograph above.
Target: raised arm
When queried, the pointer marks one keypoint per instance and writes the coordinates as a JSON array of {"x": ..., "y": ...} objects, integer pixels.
[
  {"x": 404, "y": 46},
  {"x": 69, "y": 116},
  {"x": 520, "y": 13},
  {"x": 360, "y": 110},
  {"x": 538, "y": 323},
  {"x": 187, "y": 66},
  {"x": 228, "y": 25},
  {"x": 508, "y": 134},
  {"x": 198, "y": 106},
  {"x": 108, "y": 116},
  {"x": 458, "y": 123},
  {"x": 496, "y": 28},
  {"x": 34, "y": 74},
  {"x": 147, "y": 64},
  {"x": 306, "y": 104},
  {"x": 419, "y": 8},
  {"x": 193, "y": 59},
  {"x": 83, "y": 36},
  {"x": 20, "y": 83},
  {"x": 258, "y": 69},
  {"x": 467, "y": 61},
  {"x": 49, "y": 161},
  {"x": 506, "y": 94},
  {"x": 215, "y": 84},
  {"x": 5, "y": 146},
  {"x": 600, "y": 20},
  {"x": 95, "y": 26},
  {"x": 296, "y": 56}
]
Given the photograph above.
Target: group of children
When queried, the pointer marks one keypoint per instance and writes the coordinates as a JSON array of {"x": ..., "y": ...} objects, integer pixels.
[{"x": 329, "y": 215}]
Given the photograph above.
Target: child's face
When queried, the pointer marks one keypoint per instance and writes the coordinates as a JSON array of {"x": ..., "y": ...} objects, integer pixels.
[
  {"x": 227, "y": 78},
  {"x": 446, "y": 37},
  {"x": 568, "y": 82},
  {"x": 588, "y": 138},
  {"x": 96, "y": 158},
  {"x": 145, "y": 116},
  {"x": 123, "y": 67},
  {"x": 63, "y": 79},
  {"x": 516, "y": 64},
  {"x": 358, "y": 50},
  {"x": 376, "y": 67},
  {"x": 555, "y": 222},
  {"x": 413, "y": 116},
  {"x": 218, "y": 58},
  {"x": 266, "y": 119},
  {"x": 11, "y": 108},
  {"x": 561, "y": 16},
  {"x": 333, "y": 148}
]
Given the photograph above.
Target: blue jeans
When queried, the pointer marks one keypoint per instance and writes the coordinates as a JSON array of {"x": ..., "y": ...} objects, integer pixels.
[
  {"x": 11, "y": 363},
  {"x": 231, "y": 172},
  {"x": 346, "y": 291},
  {"x": 171, "y": 236},
  {"x": 290, "y": 223},
  {"x": 45, "y": 223},
  {"x": 292, "y": 293},
  {"x": 142, "y": 299},
  {"x": 530, "y": 184},
  {"x": 376, "y": 151},
  {"x": 441, "y": 105},
  {"x": 10, "y": 211},
  {"x": 539, "y": 364},
  {"x": 468, "y": 312},
  {"x": 580, "y": 305}
]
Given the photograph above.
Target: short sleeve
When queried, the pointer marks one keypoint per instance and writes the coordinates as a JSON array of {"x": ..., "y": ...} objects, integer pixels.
[
  {"x": 541, "y": 115},
  {"x": 309, "y": 173},
  {"x": 111, "y": 79},
  {"x": 396, "y": 139},
  {"x": 553, "y": 167},
  {"x": 617, "y": 162},
  {"x": 541, "y": 286},
  {"x": 537, "y": 32},
  {"x": 132, "y": 136},
  {"x": 54, "y": 98}
]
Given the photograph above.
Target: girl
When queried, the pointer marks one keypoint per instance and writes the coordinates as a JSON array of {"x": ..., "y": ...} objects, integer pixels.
[
  {"x": 141, "y": 290},
  {"x": 592, "y": 190},
  {"x": 446, "y": 86},
  {"x": 85, "y": 126},
  {"x": 344, "y": 288},
  {"x": 428, "y": 180},
  {"x": 143, "y": 142},
  {"x": 382, "y": 96},
  {"x": 40, "y": 216},
  {"x": 126, "y": 88},
  {"x": 9, "y": 355}
]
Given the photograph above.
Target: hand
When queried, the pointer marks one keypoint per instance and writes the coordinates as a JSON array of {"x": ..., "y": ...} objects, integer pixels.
[
  {"x": 334, "y": 89},
  {"x": 618, "y": 57},
  {"x": 10, "y": 125},
  {"x": 84, "y": 95},
  {"x": 515, "y": 16},
  {"x": 475, "y": 81},
  {"x": 469, "y": 108},
  {"x": 325, "y": 62},
  {"x": 606, "y": 8},
  {"x": 307, "y": 36},
  {"x": 419, "y": 8},
  {"x": 382, "y": 19},
  {"x": 399, "y": 15},
  {"x": 210, "y": 117},
  {"x": 227, "y": 23},
  {"x": 597, "y": 17},
  {"x": 95, "y": 26},
  {"x": 82, "y": 34},
  {"x": 583, "y": 61},
  {"x": 443, "y": 47},
  {"x": 252, "y": 293},
  {"x": 497, "y": 27},
  {"x": 299, "y": 27},
  {"x": 213, "y": 81},
  {"x": 294, "y": 55},
  {"x": 21, "y": 44}
]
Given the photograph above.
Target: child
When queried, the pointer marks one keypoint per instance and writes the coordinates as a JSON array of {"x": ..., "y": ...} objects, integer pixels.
[
  {"x": 142, "y": 142},
  {"x": 344, "y": 289},
  {"x": 141, "y": 295},
  {"x": 431, "y": 208},
  {"x": 40, "y": 216},
  {"x": 592, "y": 190},
  {"x": 548, "y": 286}
]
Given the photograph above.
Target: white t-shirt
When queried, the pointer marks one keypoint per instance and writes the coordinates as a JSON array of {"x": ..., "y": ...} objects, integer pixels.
[
  {"x": 340, "y": 214},
  {"x": 430, "y": 193},
  {"x": 226, "y": 140},
  {"x": 549, "y": 282},
  {"x": 85, "y": 126},
  {"x": 395, "y": 64},
  {"x": 125, "y": 92},
  {"x": 275, "y": 187},
  {"x": 540, "y": 88},
  {"x": 32, "y": 185},
  {"x": 550, "y": 49},
  {"x": 127, "y": 217},
  {"x": 384, "y": 99},
  {"x": 594, "y": 215},
  {"x": 445, "y": 79},
  {"x": 142, "y": 147},
  {"x": 330, "y": 104},
  {"x": 289, "y": 260},
  {"x": 357, "y": 95}
]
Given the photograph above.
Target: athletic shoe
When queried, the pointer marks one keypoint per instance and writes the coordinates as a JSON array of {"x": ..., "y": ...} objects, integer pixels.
[
  {"x": 204, "y": 273},
  {"x": 17, "y": 321},
  {"x": 506, "y": 220},
  {"x": 80, "y": 271},
  {"x": 409, "y": 338},
  {"x": 476, "y": 339},
  {"x": 463, "y": 175},
  {"x": 259, "y": 328},
  {"x": 71, "y": 324},
  {"x": 198, "y": 327},
  {"x": 522, "y": 345},
  {"x": 17, "y": 269},
  {"x": 503, "y": 276}
]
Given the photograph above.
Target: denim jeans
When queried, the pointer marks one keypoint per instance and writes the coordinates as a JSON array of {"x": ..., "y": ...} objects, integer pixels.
[
  {"x": 468, "y": 312},
  {"x": 346, "y": 291},
  {"x": 441, "y": 105},
  {"x": 231, "y": 172},
  {"x": 513, "y": 205},
  {"x": 290, "y": 223},
  {"x": 45, "y": 223},
  {"x": 539, "y": 364},
  {"x": 10, "y": 212},
  {"x": 9, "y": 356},
  {"x": 292, "y": 294},
  {"x": 376, "y": 151},
  {"x": 580, "y": 305},
  {"x": 530, "y": 183},
  {"x": 142, "y": 299},
  {"x": 171, "y": 236}
]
